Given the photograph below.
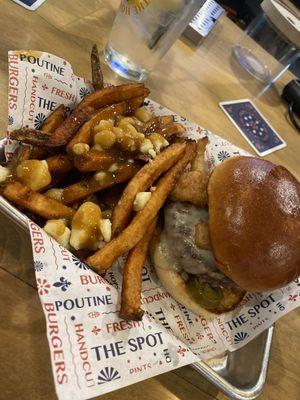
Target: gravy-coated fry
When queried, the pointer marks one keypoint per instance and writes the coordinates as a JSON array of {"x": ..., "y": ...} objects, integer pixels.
[
  {"x": 155, "y": 124},
  {"x": 59, "y": 164},
  {"x": 130, "y": 236},
  {"x": 99, "y": 181},
  {"x": 94, "y": 160},
  {"x": 85, "y": 133}
]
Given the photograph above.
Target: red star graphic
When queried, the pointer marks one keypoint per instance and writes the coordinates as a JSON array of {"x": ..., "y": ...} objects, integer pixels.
[
  {"x": 173, "y": 306},
  {"x": 293, "y": 297},
  {"x": 44, "y": 86},
  {"x": 199, "y": 335},
  {"x": 181, "y": 351},
  {"x": 94, "y": 314},
  {"x": 96, "y": 330}
]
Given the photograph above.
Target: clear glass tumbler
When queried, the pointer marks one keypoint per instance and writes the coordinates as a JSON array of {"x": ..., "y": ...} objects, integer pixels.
[
  {"x": 142, "y": 33},
  {"x": 264, "y": 51}
]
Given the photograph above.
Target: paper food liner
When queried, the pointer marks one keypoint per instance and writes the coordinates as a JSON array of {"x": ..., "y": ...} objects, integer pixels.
[{"x": 93, "y": 351}]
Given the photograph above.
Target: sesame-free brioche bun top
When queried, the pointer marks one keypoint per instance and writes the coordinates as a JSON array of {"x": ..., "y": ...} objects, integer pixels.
[{"x": 254, "y": 222}]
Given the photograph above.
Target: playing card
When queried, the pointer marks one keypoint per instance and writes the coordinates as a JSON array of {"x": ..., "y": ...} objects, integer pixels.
[
  {"x": 253, "y": 126},
  {"x": 30, "y": 4}
]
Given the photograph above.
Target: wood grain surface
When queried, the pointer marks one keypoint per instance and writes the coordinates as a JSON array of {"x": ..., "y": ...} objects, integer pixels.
[{"x": 191, "y": 81}]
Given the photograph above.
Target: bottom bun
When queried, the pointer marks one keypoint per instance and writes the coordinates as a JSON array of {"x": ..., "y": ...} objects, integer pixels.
[{"x": 177, "y": 287}]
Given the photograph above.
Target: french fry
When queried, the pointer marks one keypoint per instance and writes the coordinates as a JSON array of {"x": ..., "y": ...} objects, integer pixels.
[
  {"x": 132, "y": 278},
  {"x": 54, "y": 120},
  {"x": 59, "y": 164},
  {"x": 42, "y": 205},
  {"x": 60, "y": 136},
  {"x": 192, "y": 187},
  {"x": 94, "y": 160},
  {"x": 97, "y": 76},
  {"x": 172, "y": 130},
  {"x": 88, "y": 186},
  {"x": 157, "y": 123},
  {"x": 22, "y": 153},
  {"x": 85, "y": 133},
  {"x": 130, "y": 236},
  {"x": 31, "y": 136},
  {"x": 198, "y": 162},
  {"x": 38, "y": 153},
  {"x": 69, "y": 127},
  {"x": 113, "y": 94},
  {"x": 141, "y": 182}
]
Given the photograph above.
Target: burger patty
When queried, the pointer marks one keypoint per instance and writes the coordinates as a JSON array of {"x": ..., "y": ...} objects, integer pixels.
[
  {"x": 179, "y": 234},
  {"x": 210, "y": 287}
]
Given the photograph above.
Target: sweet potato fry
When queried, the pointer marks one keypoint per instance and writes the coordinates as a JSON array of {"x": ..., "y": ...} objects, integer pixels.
[
  {"x": 44, "y": 206},
  {"x": 97, "y": 76},
  {"x": 54, "y": 120},
  {"x": 192, "y": 187},
  {"x": 132, "y": 278},
  {"x": 172, "y": 130},
  {"x": 85, "y": 187},
  {"x": 94, "y": 160},
  {"x": 59, "y": 164},
  {"x": 198, "y": 162},
  {"x": 141, "y": 182},
  {"x": 157, "y": 123},
  {"x": 85, "y": 133},
  {"x": 113, "y": 94},
  {"x": 130, "y": 236}
]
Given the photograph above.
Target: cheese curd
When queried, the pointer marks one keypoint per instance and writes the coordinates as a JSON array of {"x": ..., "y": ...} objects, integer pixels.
[
  {"x": 54, "y": 193},
  {"x": 57, "y": 229},
  {"x": 105, "y": 228},
  {"x": 4, "y": 173},
  {"x": 141, "y": 200},
  {"x": 80, "y": 148},
  {"x": 34, "y": 173},
  {"x": 85, "y": 232}
]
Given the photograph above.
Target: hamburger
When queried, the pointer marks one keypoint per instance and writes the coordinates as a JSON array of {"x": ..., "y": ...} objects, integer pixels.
[{"x": 249, "y": 237}]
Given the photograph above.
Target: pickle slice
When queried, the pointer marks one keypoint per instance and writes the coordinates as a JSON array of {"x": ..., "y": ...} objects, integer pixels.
[{"x": 207, "y": 296}]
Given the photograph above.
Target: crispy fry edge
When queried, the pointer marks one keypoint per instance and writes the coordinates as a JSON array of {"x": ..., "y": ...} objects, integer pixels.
[
  {"x": 132, "y": 278},
  {"x": 44, "y": 206},
  {"x": 97, "y": 75}
]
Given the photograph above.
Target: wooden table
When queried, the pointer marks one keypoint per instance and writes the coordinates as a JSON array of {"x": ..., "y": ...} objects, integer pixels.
[{"x": 189, "y": 80}]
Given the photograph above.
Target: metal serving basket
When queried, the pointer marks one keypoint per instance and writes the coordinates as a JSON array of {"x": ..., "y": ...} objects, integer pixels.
[{"x": 240, "y": 374}]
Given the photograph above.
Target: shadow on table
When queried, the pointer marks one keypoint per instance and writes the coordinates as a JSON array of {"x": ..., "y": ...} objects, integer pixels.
[
  {"x": 25, "y": 359},
  {"x": 187, "y": 384},
  {"x": 15, "y": 251}
]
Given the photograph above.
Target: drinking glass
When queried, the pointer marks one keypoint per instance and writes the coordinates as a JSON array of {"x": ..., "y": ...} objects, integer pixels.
[{"x": 142, "y": 33}]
